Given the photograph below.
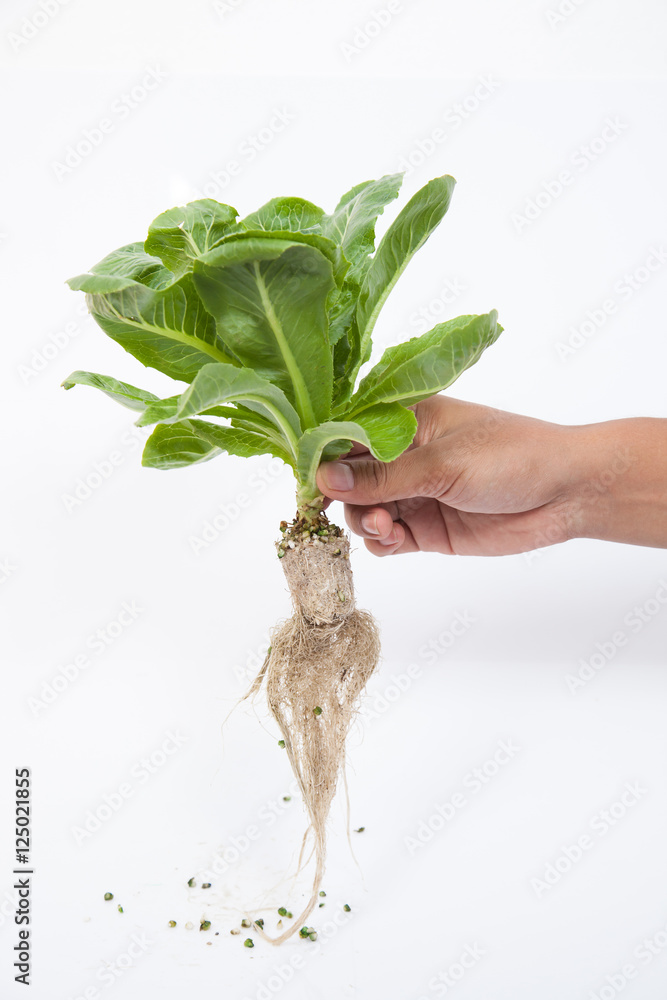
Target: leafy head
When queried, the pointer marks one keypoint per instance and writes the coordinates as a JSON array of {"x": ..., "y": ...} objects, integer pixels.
[{"x": 268, "y": 320}]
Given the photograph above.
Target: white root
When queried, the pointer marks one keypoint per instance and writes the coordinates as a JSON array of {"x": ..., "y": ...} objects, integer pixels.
[{"x": 319, "y": 663}]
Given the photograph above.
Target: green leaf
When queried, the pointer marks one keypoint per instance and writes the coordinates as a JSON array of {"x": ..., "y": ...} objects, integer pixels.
[
  {"x": 352, "y": 224},
  {"x": 425, "y": 365},
  {"x": 180, "y": 235},
  {"x": 121, "y": 269},
  {"x": 270, "y": 319},
  {"x": 163, "y": 411},
  {"x": 342, "y": 314},
  {"x": 272, "y": 314},
  {"x": 128, "y": 395},
  {"x": 271, "y": 243},
  {"x": 168, "y": 328},
  {"x": 243, "y": 441},
  {"x": 405, "y": 236},
  {"x": 386, "y": 430},
  {"x": 217, "y": 384},
  {"x": 294, "y": 220},
  {"x": 259, "y": 425},
  {"x": 175, "y": 446},
  {"x": 344, "y": 336},
  {"x": 189, "y": 442},
  {"x": 287, "y": 214}
]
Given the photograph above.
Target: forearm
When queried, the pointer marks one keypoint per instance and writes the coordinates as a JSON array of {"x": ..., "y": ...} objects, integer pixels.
[{"x": 619, "y": 490}]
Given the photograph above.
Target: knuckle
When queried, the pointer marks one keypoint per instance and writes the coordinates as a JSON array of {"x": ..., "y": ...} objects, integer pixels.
[
  {"x": 441, "y": 470},
  {"x": 435, "y": 483},
  {"x": 434, "y": 476},
  {"x": 353, "y": 518},
  {"x": 376, "y": 479},
  {"x": 412, "y": 505}
]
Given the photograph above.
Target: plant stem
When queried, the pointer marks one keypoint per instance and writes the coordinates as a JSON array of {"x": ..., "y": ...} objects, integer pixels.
[{"x": 309, "y": 503}]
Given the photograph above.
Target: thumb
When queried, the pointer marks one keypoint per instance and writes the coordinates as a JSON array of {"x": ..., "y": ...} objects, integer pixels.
[{"x": 416, "y": 473}]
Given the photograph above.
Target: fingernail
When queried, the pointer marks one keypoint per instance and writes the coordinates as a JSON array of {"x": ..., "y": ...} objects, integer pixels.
[
  {"x": 390, "y": 539},
  {"x": 369, "y": 522},
  {"x": 338, "y": 476}
]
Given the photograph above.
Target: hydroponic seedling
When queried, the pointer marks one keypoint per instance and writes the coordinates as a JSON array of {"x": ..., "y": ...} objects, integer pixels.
[{"x": 268, "y": 320}]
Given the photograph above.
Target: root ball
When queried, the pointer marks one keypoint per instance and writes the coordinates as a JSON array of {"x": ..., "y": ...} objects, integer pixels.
[{"x": 318, "y": 665}]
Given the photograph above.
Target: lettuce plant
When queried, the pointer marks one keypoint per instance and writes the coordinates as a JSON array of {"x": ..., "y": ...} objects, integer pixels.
[{"x": 267, "y": 320}]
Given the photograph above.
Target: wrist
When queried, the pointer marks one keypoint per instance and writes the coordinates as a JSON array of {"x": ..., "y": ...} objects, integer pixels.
[{"x": 618, "y": 485}]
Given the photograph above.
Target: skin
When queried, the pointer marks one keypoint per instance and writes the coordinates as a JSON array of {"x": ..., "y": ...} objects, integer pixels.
[{"x": 481, "y": 481}]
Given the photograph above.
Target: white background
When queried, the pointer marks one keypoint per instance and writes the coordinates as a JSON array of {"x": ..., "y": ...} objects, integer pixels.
[{"x": 356, "y": 111}]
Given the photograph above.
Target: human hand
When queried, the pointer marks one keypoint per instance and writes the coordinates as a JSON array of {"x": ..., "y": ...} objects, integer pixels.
[{"x": 480, "y": 481}]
